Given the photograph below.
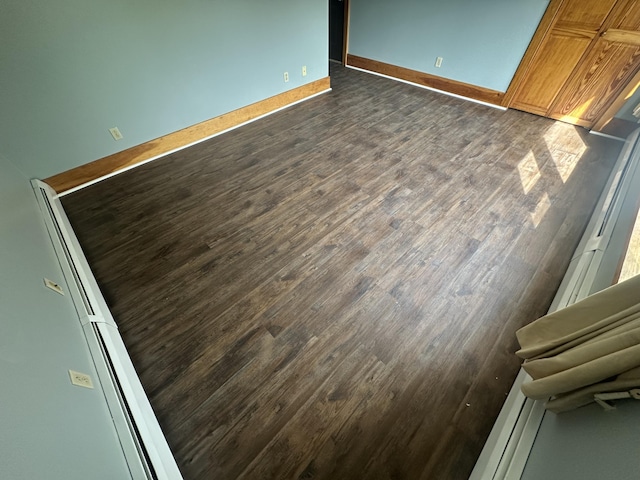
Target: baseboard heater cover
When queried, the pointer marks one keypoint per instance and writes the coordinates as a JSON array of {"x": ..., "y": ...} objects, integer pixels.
[
  {"x": 507, "y": 448},
  {"x": 143, "y": 443}
]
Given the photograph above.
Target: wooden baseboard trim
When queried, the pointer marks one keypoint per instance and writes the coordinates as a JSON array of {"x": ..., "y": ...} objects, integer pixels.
[
  {"x": 427, "y": 80},
  {"x": 126, "y": 159}
]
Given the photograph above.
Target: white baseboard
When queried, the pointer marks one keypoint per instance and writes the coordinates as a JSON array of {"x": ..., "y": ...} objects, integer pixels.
[{"x": 143, "y": 443}]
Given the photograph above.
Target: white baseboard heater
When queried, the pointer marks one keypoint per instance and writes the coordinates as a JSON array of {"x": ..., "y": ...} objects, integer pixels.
[
  {"x": 592, "y": 268},
  {"x": 145, "y": 448}
]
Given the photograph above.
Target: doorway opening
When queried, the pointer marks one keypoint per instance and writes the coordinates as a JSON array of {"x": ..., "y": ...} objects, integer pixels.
[{"x": 338, "y": 22}]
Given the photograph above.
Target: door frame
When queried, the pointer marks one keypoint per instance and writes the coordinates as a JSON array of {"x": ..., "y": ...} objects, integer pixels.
[{"x": 345, "y": 31}]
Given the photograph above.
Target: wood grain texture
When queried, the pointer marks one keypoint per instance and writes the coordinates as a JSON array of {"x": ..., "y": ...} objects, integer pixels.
[
  {"x": 625, "y": 16},
  {"x": 539, "y": 38},
  {"x": 588, "y": 14},
  {"x": 332, "y": 292},
  {"x": 433, "y": 81},
  {"x": 615, "y": 106},
  {"x": 551, "y": 69},
  {"x": 622, "y": 36},
  {"x": 568, "y": 36},
  {"x": 606, "y": 73},
  {"x": 168, "y": 143},
  {"x": 583, "y": 64},
  {"x": 600, "y": 78}
]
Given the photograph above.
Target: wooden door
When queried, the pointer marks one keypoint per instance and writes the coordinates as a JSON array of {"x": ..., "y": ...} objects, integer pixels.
[{"x": 588, "y": 56}]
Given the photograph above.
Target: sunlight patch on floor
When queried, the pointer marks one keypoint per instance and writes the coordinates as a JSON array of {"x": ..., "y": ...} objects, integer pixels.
[
  {"x": 529, "y": 172},
  {"x": 565, "y": 162},
  {"x": 541, "y": 210}
]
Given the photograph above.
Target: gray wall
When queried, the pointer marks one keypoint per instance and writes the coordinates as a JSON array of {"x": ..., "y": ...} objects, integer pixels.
[
  {"x": 71, "y": 70},
  {"x": 626, "y": 112},
  {"x": 482, "y": 42},
  {"x": 48, "y": 427},
  {"x": 587, "y": 444}
]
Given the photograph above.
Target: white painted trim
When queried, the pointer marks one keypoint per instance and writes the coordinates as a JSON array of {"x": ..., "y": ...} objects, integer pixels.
[
  {"x": 606, "y": 135},
  {"x": 527, "y": 431},
  {"x": 130, "y": 167},
  {"x": 501, "y": 433},
  {"x": 486, "y": 104},
  {"x": 116, "y": 373},
  {"x": 70, "y": 251},
  {"x": 123, "y": 425},
  {"x": 164, "y": 464},
  {"x": 509, "y": 444}
]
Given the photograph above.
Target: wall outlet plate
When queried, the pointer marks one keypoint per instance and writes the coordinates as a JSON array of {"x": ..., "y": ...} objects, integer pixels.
[
  {"x": 115, "y": 133},
  {"x": 53, "y": 286},
  {"x": 286, "y": 76},
  {"x": 304, "y": 70},
  {"x": 80, "y": 379}
]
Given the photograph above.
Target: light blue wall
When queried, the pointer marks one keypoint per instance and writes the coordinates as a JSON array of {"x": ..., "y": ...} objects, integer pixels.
[
  {"x": 71, "y": 70},
  {"x": 48, "y": 427},
  {"x": 481, "y": 42}
]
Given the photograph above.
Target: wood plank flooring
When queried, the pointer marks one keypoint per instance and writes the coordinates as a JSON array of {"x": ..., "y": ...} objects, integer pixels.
[{"x": 332, "y": 292}]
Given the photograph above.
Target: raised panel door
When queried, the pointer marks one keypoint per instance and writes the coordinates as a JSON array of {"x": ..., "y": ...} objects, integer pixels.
[
  {"x": 599, "y": 78},
  {"x": 553, "y": 65},
  {"x": 609, "y": 64},
  {"x": 587, "y": 14},
  {"x": 588, "y": 57}
]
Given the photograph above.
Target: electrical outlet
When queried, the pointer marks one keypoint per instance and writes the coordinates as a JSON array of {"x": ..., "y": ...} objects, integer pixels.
[
  {"x": 80, "y": 379},
  {"x": 53, "y": 286},
  {"x": 438, "y": 62},
  {"x": 286, "y": 76},
  {"x": 304, "y": 70},
  {"x": 115, "y": 133}
]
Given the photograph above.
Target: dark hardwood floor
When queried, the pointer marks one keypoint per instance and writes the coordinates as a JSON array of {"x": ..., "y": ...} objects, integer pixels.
[{"x": 332, "y": 292}]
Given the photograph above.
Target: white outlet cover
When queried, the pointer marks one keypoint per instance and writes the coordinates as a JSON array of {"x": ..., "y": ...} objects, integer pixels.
[
  {"x": 115, "y": 133},
  {"x": 286, "y": 76},
  {"x": 53, "y": 286},
  {"x": 304, "y": 71},
  {"x": 80, "y": 379}
]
